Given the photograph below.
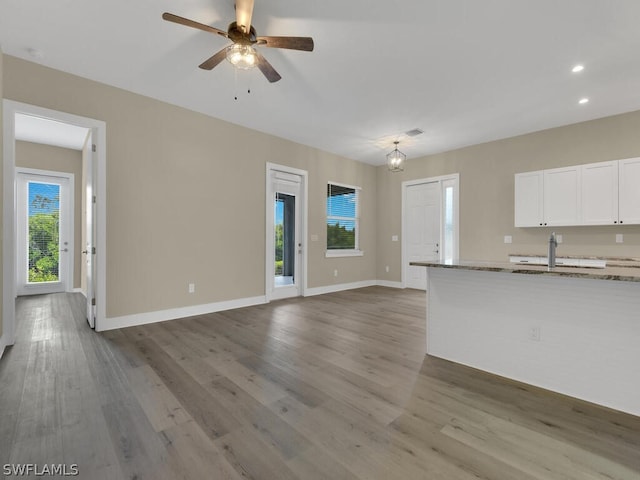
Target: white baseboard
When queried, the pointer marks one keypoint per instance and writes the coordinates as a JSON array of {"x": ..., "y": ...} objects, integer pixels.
[
  {"x": 2, "y": 345},
  {"x": 390, "y": 284},
  {"x": 77, "y": 290},
  {"x": 183, "y": 312},
  {"x": 174, "y": 313},
  {"x": 310, "y": 292}
]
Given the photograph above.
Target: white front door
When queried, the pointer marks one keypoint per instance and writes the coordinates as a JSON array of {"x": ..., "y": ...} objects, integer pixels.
[
  {"x": 422, "y": 230},
  {"x": 45, "y": 232},
  {"x": 286, "y": 256}
]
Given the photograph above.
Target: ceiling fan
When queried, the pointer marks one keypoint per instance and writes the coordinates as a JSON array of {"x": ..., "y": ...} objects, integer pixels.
[{"x": 242, "y": 53}]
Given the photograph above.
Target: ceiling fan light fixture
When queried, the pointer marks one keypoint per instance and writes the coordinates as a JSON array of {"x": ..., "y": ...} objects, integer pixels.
[
  {"x": 395, "y": 159},
  {"x": 241, "y": 56}
]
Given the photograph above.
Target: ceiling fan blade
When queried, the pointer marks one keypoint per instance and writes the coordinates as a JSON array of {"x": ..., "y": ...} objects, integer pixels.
[
  {"x": 266, "y": 69},
  {"x": 214, "y": 60},
  {"x": 293, "y": 43},
  {"x": 170, "y": 17},
  {"x": 244, "y": 12}
]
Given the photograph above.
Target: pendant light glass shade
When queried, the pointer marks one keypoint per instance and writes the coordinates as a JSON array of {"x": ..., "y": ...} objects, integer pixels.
[{"x": 395, "y": 159}]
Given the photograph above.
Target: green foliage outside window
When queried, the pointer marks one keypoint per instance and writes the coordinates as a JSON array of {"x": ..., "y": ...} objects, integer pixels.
[
  {"x": 43, "y": 243},
  {"x": 338, "y": 237},
  {"x": 279, "y": 248}
]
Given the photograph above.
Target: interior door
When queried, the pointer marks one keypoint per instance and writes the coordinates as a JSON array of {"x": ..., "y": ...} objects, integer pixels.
[
  {"x": 287, "y": 254},
  {"x": 44, "y": 233},
  {"x": 422, "y": 230},
  {"x": 88, "y": 164}
]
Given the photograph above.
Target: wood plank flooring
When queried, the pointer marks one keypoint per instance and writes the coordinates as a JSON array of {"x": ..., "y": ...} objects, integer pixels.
[{"x": 329, "y": 387}]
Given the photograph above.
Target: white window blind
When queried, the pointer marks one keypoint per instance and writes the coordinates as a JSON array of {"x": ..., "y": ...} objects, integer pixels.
[{"x": 342, "y": 217}]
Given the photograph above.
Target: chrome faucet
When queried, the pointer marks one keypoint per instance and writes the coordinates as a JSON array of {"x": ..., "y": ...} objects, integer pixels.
[{"x": 553, "y": 244}]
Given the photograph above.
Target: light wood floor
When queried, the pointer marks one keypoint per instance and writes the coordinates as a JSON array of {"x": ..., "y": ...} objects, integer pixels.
[{"x": 329, "y": 387}]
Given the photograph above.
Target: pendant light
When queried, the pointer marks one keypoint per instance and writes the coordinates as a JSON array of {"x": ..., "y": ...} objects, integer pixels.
[{"x": 395, "y": 159}]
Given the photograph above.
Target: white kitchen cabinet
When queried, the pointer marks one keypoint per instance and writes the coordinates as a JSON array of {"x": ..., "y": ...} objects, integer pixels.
[
  {"x": 528, "y": 199},
  {"x": 561, "y": 198},
  {"x": 599, "y": 193},
  {"x": 604, "y": 193},
  {"x": 629, "y": 191}
]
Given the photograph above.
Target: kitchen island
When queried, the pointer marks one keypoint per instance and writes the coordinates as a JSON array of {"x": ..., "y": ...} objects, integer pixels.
[{"x": 575, "y": 331}]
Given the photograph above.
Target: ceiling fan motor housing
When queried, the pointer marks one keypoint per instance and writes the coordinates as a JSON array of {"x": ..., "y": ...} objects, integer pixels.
[{"x": 237, "y": 35}]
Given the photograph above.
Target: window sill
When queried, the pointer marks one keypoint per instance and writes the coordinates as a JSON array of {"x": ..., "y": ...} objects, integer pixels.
[{"x": 344, "y": 253}]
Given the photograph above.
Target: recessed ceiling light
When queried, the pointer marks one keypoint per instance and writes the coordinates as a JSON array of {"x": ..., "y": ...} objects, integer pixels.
[
  {"x": 577, "y": 68},
  {"x": 583, "y": 101}
]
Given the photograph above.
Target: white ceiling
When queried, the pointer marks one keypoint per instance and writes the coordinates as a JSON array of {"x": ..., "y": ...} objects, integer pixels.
[
  {"x": 49, "y": 132},
  {"x": 464, "y": 71}
]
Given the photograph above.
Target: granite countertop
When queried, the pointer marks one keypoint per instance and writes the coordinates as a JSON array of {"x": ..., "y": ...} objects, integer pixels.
[{"x": 623, "y": 273}]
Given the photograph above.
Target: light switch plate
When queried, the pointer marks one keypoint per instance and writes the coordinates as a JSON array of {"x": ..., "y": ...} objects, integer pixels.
[
  {"x": 508, "y": 239},
  {"x": 559, "y": 238},
  {"x": 619, "y": 238},
  {"x": 394, "y": 238},
  {"x": 314, "y": 237}
]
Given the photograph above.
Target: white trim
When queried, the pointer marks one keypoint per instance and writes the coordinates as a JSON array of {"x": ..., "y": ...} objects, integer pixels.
[
  {"x": 269, "y": 234},
  {"x": 3, "y": 345},
  {"x": 339, "y": 287},
  {"x": 78, "y": 290},
  {"x": 456, "y": 198},
  {"x": 345, "y": 185},
  {"x": 356, "y": 251},
  {"x": 175, "y": 313},
  {"x": 389, "y": 284},
  {"x": 9, "y": 110},
  {"x": 343, "y": 253}
]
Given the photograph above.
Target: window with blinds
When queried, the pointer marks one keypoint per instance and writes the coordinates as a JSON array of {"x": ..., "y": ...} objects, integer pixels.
[
  {"x": 342, "y": 217},
  {"x": 43, "y": 232}
]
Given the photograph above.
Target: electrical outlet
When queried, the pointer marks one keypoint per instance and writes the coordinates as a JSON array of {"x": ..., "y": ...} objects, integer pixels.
[
  {"x": 192, "y": 288},
  {"x": 314, "y": 237},
  {"x": 387, "y": 268},
  {"x": 508, "y": 239},
  {"x": 534, "y": 334},
  {"x": 559, "y": 238},
  {"x": 619, "y": 238},
  {"x": 335, "y": 273},
  {"x": 394, "y": 238}
]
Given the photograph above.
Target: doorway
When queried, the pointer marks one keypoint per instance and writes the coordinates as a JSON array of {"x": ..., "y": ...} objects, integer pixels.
[
  {"x": 94, "y": 167},
  {"x": 429, "y": 226},
  {"x": 45, "y": 226},
  {"x": 286, "y": 227}
]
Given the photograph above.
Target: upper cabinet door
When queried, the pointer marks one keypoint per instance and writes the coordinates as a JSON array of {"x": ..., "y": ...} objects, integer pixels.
[
  {"x": 629, "y": 190},
  {"x": 562, "y": 196},
  {"x": 599, "y": 193},
  {"x": 528, "y": 199}
]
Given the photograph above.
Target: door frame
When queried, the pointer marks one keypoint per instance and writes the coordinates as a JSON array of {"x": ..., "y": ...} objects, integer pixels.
[
  {"x": 68, "y": 211},
  {"x": 270, "y": 232},
  {"x": 455, "y": 178},
  {"x": 99, "y": 128}
]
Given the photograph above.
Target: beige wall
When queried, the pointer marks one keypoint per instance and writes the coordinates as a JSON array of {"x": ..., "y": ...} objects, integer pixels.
[
  {"x": 186, "y": 193},
  {"x": 487, "y": 192},
  {"x": 46, "y": 157}
]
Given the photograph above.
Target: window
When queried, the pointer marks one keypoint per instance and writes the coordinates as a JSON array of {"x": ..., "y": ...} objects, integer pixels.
[{"x": 343, "y": 220}]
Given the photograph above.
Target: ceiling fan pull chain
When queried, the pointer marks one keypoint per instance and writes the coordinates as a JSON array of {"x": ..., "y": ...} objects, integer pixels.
[{"x": 235, "y": 83}]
